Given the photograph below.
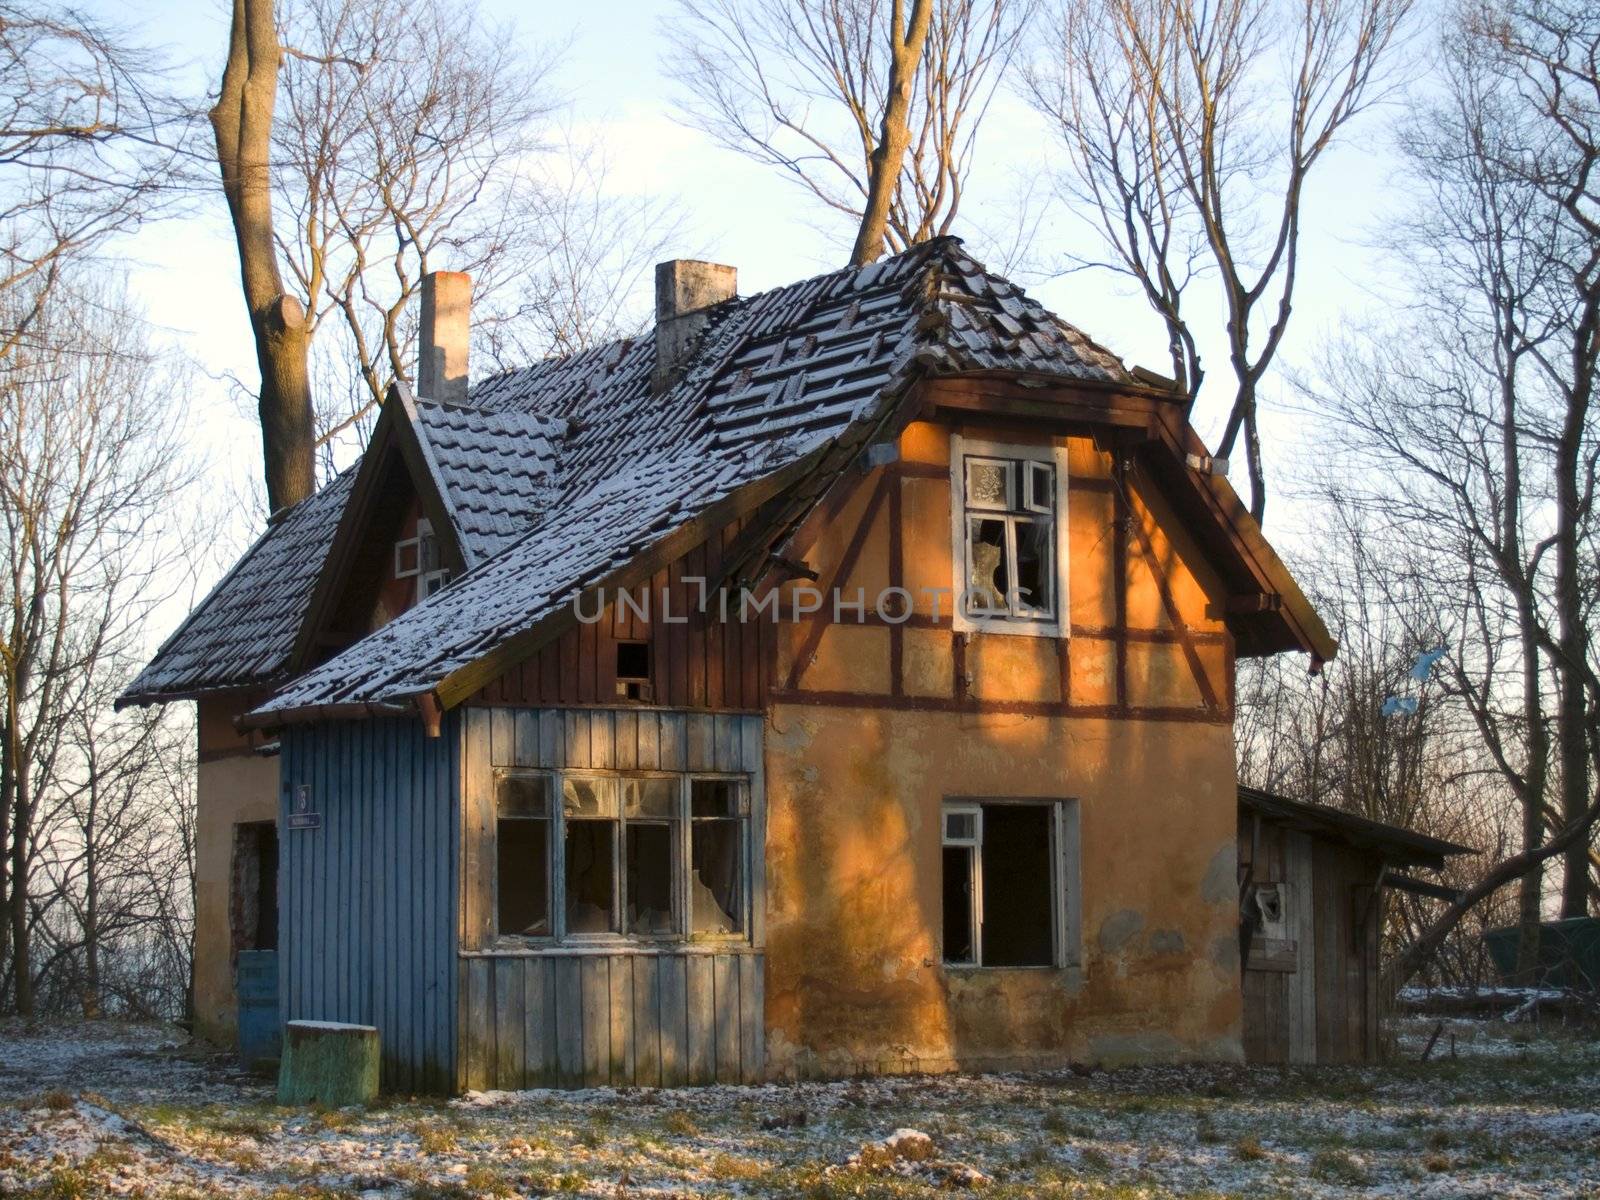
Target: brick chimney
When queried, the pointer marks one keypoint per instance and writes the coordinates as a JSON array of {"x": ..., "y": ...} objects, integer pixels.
[
  {"x": 442, "y": 338},
  {"x": 685, "y": 290}
]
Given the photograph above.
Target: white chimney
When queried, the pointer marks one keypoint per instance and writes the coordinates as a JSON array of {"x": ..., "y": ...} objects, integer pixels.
[
  {"x": 442, "y": 339},
  {"x": 686, "y": 289}
]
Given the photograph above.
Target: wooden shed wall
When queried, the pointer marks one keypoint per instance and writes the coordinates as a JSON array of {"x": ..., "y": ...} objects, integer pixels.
[
  {"x": 1313, "y": 997},
  {"x": 625, "y": 1015},
  {"x": 367, "y": 900}
]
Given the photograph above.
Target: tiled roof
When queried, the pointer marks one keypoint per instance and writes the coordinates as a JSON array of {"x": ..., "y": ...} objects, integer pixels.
[
  {"x": 560, "y": 473},
  {"x": 242, "y": 633},
  {"x": 494, "y": 467}
]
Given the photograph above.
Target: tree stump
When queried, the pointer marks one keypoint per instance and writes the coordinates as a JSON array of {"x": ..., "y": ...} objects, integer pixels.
[{"x": 328, "y": 1063}]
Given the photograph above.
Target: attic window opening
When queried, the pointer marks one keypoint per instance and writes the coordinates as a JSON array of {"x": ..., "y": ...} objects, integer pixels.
[
  {"x": 1008, "y": 514},
  {"x": 633, "y": 671},
  {"x": 420, "y": 558}
]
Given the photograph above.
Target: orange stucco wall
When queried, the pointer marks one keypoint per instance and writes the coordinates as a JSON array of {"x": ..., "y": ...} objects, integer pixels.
[{"x": 855, "y": 978}]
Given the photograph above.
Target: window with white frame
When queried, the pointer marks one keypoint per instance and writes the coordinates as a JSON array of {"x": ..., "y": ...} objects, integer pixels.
[
  {"x": 1009, "y": 883},
  {"x": 636, "y": 855},
  {"x": 1008, "y": 517},
  {"x": 419, "y": 558}
]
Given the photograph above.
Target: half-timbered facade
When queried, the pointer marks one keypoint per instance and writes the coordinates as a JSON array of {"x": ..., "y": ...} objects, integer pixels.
[{"x": 839, "y": 681}]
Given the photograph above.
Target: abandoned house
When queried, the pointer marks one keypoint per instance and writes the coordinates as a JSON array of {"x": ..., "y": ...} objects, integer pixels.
[{"x": 839, "y": 679}]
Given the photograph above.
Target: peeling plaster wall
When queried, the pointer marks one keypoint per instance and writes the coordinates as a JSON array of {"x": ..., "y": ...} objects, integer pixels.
[
  {"x": 854, "y": 978},
  {"x": 877, "y": 727},
  {"x": 233, "y": 786}
]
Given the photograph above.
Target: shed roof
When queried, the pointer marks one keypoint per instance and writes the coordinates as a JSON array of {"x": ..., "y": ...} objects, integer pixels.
[
  {"x": 1396, "y": 843},
  {"x": 569, "y": 473}
]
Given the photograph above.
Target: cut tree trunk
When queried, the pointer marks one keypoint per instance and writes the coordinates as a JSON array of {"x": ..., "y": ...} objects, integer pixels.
[{"x": 328, "y": 1063}]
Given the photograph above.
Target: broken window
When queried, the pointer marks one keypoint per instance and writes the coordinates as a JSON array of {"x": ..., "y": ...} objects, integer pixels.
[
  {"x": 1009, "y": 517},
  {"x": 716, "y": 879},
  {"x": 589, "y": 810},
  {"x": 650, "y": 809},
  {"x": 643, "y": 855},
  {"x": 522, "y": 854},
  {"x": 1001, "y": 884}
]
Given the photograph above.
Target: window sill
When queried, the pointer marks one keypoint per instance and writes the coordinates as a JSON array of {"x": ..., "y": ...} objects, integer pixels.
[
  {"x": 1072, "y": 970},
  {"x": 1017, "y": 627}
]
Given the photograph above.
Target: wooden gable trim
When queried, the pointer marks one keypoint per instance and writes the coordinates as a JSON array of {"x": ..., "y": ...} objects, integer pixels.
[{"x": 395, "y": 432}]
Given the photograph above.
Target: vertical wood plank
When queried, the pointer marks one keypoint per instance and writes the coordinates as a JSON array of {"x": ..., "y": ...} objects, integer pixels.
[
  {"x": 502, "y": 737},
  {"x": 752, "y": 1019},
  {"x": 600, "y": 721},
  {"x": 569, "y": 1021},
  {"x": 508, "y": 1022},
  {"x": 701, "y": 742},
  {"x": 725, "y": 1001},
  {"x": 481, "y": 1050},
  {"x": 674, "y": 1022},
  {"x": 701, "y": 1011},
  {"x": 552, "y": 739},
  {"x": 577, "y": 740},
  {"x": 671, "y": 744},
  {"x": 625, "y": 740},
  {"x": 596, "y": 974},
  {"x": 526, "y": 753},
  {"x": 621, "y": 1004},
  {"x": 649, "y": 732},
  {"x": 539, "y": 1068},
  {"x": 647, "y": 1021}
]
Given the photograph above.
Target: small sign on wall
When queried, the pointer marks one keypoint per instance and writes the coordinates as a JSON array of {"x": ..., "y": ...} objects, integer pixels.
[{"x": 301, "y": 815}]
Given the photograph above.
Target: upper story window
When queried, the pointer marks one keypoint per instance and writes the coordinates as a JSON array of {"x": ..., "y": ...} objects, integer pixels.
[
  {"x": 419, "y": 558},
  {"x": 1008, "y": 515},
  {"x": 583, "y": 855}
]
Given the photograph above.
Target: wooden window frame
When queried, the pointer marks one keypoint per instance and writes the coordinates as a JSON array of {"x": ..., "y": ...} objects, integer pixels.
[
  {"x": 1066, "y": 908},
  {"x": 961, "y": 449},
  {"x": 681, "y": 822}
]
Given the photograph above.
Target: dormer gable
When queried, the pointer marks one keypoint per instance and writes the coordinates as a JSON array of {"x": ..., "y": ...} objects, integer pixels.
[{"x": 398, "y": 540}]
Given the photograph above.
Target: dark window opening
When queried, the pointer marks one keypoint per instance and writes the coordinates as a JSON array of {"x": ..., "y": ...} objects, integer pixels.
[
  {"x": 958, "y": 904},
  {"x": 999, "y": 885},
  {"x": 648, "y": 884},
  {"x": 1018, "y": 930},
  {"x": 522, "y": 861},
  {"x": 590, "y": 891},
  {"x": 522, "y": 854},
  {"x": 633, "y": 671}
]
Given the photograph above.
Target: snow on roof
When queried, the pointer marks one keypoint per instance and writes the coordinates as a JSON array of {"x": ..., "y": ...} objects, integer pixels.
[{"x": 560, "y": 473}]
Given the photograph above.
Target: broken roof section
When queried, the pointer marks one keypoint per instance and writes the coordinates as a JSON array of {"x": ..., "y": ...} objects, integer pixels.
[{"x": 572, "y": 472}]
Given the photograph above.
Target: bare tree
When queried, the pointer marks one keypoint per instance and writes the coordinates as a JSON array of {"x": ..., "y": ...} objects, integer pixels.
[
  {"x": 241, "y": 124},
  {"x": 404, "y": 145},
  {"x": 89, "y": 465},
  {"x": 1190, "y": 131},
  {"x": 1478, "y": 442},
  {"x": 873, "y": 110},
  {"x": 90, "y": 141}
]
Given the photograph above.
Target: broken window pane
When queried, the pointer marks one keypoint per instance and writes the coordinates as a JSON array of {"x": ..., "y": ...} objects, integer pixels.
[
  {"x": 589, "y": 797},
  {"x": 648, "y": 882},
  {"x": 591, "y": 847},
  {"x": 714, "y": 798},
  {"x": 1034, "y": 575},
  {"x": 716, "y": 875},
  {"x": 986, "y": 556},
  {"x": 650, "y": 797},
  {"x": 988, "y": 483},
  {"x": 958, "y": 946},
  {"x": 1018, "y": 886},
  {"x": 522, "y": 854}
]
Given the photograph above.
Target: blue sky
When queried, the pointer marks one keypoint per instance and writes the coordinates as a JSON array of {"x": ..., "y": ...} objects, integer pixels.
[{"x": 185, "y": 273}]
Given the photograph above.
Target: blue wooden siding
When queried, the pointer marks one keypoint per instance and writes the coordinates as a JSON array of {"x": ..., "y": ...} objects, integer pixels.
[{"x": 367, "y": 901}]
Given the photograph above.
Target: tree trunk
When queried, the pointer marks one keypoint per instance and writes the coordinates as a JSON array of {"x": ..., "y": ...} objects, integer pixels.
[
  {"x": 242, "y": 124},
  {"x": 895, "y": 135}
]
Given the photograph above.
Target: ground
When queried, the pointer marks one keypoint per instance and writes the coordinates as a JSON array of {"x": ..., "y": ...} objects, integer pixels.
[{"x": 1500, "y": 1110}]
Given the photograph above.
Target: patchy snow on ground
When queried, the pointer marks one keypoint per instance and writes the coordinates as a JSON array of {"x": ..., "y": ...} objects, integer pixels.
[{"x": 1497, "y": 1111}]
